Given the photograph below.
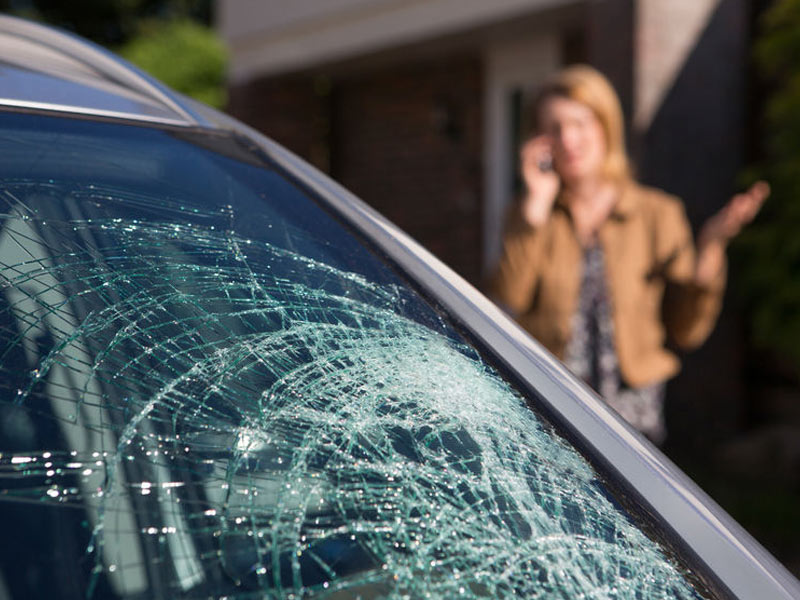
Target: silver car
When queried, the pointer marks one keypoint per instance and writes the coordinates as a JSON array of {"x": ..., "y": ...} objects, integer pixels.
[{"x": 223, "y": 376}]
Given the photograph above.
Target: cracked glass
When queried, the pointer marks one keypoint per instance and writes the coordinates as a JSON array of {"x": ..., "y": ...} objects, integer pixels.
[{"x": 212, "y": 388}]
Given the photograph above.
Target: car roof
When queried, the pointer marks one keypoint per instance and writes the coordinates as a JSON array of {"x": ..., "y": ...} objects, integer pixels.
[{"x": 48, "y": 69}]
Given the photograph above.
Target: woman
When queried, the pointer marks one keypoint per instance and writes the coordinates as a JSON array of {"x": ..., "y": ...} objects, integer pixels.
[{"x": 600, "y": 269}]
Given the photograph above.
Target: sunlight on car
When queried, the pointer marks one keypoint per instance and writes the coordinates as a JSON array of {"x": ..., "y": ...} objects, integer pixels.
[{"x": 201, "y": 371}]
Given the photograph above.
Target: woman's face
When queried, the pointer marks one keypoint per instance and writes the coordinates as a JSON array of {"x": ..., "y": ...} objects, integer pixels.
[{"x": 578, "y": 140}]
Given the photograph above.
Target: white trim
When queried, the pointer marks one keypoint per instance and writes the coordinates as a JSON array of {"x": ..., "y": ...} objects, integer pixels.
[
  {"x": 510, "y": 65},
  {"x": 267, "y": 37}
]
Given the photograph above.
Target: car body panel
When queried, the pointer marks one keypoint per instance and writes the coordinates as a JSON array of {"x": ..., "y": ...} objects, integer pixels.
[{"x": 749, "y": 570}]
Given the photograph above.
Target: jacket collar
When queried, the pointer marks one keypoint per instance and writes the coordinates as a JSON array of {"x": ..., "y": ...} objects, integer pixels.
[
  {"x": 625, "y": 207},
  {"x": 627, "y": 203}
]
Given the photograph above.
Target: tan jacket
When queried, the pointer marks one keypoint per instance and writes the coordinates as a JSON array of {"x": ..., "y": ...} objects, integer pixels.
[{"x": 650, "y": 261}]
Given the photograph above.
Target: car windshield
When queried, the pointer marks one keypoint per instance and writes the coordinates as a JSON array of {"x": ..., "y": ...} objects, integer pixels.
[{"x": 212, "y": 387}]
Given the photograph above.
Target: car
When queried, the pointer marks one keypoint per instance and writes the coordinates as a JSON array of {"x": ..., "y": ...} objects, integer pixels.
[{"x": 223, "y": 376}]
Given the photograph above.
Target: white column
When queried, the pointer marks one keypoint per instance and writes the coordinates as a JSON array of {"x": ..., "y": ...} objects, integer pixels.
[{"x": 509, "y": 66}]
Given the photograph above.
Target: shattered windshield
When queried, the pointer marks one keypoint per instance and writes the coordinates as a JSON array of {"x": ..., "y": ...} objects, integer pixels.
[{"x": 211, "y": 388}]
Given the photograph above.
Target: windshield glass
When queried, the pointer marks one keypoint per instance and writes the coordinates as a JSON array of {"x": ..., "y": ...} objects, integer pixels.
[{"x": 211, "y": 388}]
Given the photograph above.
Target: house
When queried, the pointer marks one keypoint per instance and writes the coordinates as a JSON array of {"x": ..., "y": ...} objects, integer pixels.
[{"x": 418, "y": 105}]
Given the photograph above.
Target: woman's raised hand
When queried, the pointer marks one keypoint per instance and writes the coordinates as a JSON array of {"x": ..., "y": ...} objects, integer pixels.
[
  {"x": 541, "y": 181},
  {"x": 738, "y": 212},
  {"x": 724, "y": 226}
]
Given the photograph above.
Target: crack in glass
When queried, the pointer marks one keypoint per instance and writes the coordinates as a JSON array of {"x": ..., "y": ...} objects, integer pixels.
[{"x": 224, "y": 416}]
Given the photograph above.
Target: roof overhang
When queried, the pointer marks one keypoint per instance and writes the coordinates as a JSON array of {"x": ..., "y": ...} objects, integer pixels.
[{"x": 267, "y": 37}]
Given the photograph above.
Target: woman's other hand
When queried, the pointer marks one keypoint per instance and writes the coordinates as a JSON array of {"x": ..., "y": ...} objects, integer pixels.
[
  {"x": 738, "y": 212},
  {"x": 541, "y": 181},
  {"x": 724, "y": 226}
]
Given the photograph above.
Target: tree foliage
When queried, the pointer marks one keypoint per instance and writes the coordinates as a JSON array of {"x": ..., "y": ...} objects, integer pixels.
[
  {"x": 185, "y": 55},
  {"x": 170, "y": 39},
  {"x": 767, "y": 255}
]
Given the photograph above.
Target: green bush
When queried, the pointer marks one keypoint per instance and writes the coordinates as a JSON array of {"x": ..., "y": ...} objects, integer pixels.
[
  {"x": 767, "y": 255},
  {"x": 184, "y": 54},
  {"x": 170, "y": 39}
]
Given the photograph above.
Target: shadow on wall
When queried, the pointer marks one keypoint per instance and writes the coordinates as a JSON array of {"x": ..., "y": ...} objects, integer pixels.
[{"x": 693, "y": 148}]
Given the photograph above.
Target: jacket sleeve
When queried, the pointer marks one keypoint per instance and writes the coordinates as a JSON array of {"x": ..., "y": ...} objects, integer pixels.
[
  {"x": 690, "y": 310},
  {"x": 513, "y": 283}
]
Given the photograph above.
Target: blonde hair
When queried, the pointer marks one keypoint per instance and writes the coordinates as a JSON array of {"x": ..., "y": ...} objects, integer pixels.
[{"x": 588, "y": 86}]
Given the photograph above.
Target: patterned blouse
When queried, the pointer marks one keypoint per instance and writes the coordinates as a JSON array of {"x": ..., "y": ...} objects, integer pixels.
[{"x": 590, "y": 353}]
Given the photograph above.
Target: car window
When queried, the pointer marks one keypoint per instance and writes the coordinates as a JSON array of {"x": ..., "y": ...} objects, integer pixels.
[{"x": 211, "y": 387}]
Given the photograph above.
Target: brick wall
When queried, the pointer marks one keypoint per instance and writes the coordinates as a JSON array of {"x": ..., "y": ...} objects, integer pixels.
[
  {"x": 408, "y": 142},
  {"x": 292, "y": 110},
  {"x": 406, "y": 139}
]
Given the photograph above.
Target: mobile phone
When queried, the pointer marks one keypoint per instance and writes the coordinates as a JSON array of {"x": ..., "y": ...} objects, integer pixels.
[{"x": 545, "y": 163}]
